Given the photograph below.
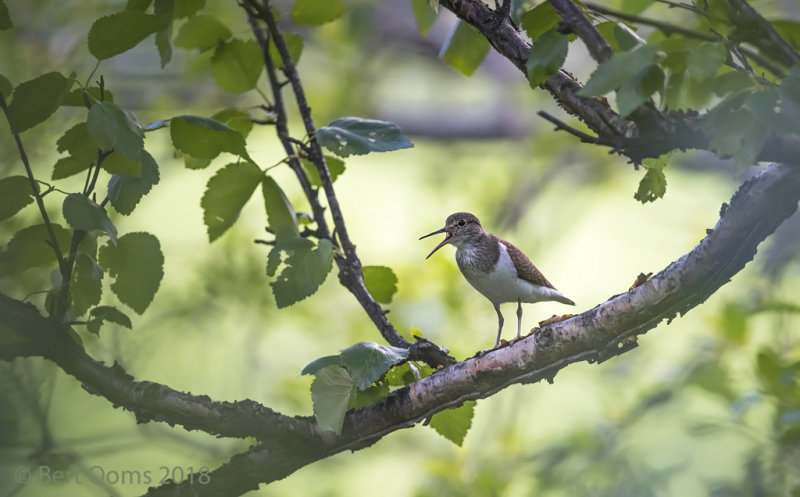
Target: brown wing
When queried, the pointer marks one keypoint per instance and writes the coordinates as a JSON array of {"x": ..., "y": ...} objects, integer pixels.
[{"x": 525, "y": 268}]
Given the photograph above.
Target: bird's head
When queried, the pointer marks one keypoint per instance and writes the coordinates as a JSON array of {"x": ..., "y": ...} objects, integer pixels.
[{"x": 459, "y": 228}]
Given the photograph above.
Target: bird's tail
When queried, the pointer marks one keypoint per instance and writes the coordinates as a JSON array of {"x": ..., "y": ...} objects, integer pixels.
[{"x": 560, "y": 297}]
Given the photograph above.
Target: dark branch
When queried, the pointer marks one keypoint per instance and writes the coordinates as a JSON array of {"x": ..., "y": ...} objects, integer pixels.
[
  {"x": 598, "y": 47},
  {"x": 753, "y": 28}
]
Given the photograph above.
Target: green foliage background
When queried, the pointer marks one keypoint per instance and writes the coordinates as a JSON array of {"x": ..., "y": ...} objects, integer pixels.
[{"x": 708, "y": 405}]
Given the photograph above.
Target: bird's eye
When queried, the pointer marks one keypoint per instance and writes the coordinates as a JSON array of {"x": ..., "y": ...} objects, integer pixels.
[{"x": 462, "y": 222}]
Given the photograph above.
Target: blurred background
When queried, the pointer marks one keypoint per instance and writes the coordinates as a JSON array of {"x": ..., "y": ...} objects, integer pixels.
[{"x": 707, "y": 405}]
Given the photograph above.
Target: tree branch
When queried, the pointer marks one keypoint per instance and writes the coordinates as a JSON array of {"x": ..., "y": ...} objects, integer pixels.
[
  {"x": 753, "y": 28},
  {"x": 756, "y": 210},
  {"x": 598, "y": 47}
]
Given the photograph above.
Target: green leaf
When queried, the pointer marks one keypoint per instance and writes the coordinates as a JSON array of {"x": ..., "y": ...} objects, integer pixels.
[
  {"x": 236, "y": 119},
  {"x": 280, "y": 213},
  {"x": 740, "y": 137},
  {"x": 82, "y": 152},
  {"x": 294, "y": 45},
  {"x": 236, "y": 65},
  {"x": 323, "y": 362},
  {"x": 636, "y": 91},
  {"x": 703, "y": 61},
  {"x": 372, "y": 395},
  {"x": 367, "y": 361},
  {"x": 306, "y": 269},
  {"x": 548, "y": 54},
  {"x": 137, "y": 264},
  {"x": 539, "y": 20},
  {"x": 424, "y": 15},
  {"x": 767, "y": 107},
  {"x": 619, "y": 69},
  {"x": 82, "y": 213},
  {"x": 381, "y": 283},
  {"x": 29, "y": 247},
  {"x": 226, "y": 194},
  {"x": 118, "y": 33},
  {"x": 86, "y": 288},
  {"x": 354, "y": 135},
  {"x": 201, "y": 32},
  {"x": 125, "y": 192},
  {"x": 112, "y": 128},
  {"x": 335, "y": 168},
  {"x": 316, "y": 12},
  {"x": 35, "y": 100},
  {"x": 6, "y": 88},
  {"x": 626, "y": 39},
  {"x": 15, "y": 194},
  {"x": 186, "y": 8},
  {"x": 111, "y": 314},
  {"x": 789, "y": 30},
  {"x": 453, "y": 424},
  {"x": 119, "y": 164},
  {"x": 164, "y": 36},
  {"x": 5, "y": 17},
  {"x": 331, "y": 391},
  {"x": 204, "y": 138},
  {"x": 465, "y": 48},
  {"x": 654, "y": 183}
]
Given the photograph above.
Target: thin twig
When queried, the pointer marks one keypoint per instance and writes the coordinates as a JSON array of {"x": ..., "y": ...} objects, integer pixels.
[
  {"x": 561, "y": 125},
  {"x": 35, "y": 189}
]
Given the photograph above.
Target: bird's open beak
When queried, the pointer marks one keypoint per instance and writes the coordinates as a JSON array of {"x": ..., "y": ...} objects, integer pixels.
[{"x": 448, "y": 236}]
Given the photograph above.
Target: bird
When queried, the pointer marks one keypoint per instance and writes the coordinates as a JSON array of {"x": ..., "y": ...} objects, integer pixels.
[{"x": 494, "y": 267}]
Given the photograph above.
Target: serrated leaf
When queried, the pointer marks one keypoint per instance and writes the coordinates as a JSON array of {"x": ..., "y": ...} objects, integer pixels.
[
  {"x": 381, "y": 283},
  {"x": 164, "y": 45},
  {"x": 86, "y": 288},
  {"x": 118, "y": 33},
  {"x": 354, "y": 135},
  {"x": 548, "y": 54},
  {"x": 137, "y": 266},
  {"x": 280, "y": 213},
  {"x": 225, "y": 196},
  {"x": 236, "y": 119},
  {"x": 316, "y": 12},
  {"x": 465, "y": 48},
  {"x": 81, "y": 213},
  {"x": 367, "y": 361},
  {"x": 403, "y": 375},
  {"x": 5, "y": 17},
  {"x": 453, "y": 424},
  {"x": 35, "y": 100},
  {"x": 306, "y": 268},
  {"x": 372, "y": 395},
  {"x": 81, "y": 149},
  {"x": 637, "y": 91},
  {"x": 236, "y": 65},
  {"x": 294, "y": 45},
  {"x": 625, "y": 37},
  {"x": 15, "y": 194},
  {"x": 204, "y": 138},
  {"x": 652, "y": 186},
  {"x": 424, "y": 15},
  {"x": 331, "y": 391},
  {"x": 703, "y": 61},
  {"x": 119, "y": 164},
  {"x": 201, "y": 32},
  {"x": 321, "y": 363},
  {"x": 335, "y": 168},
  {"x": 112, "y": 128},
  {"x": 111, "y": 314},
  {"x": 29, "y": 247},
  {"x": 539, "y": 20},
  {"x": 125, "y": 192},
  {"x": 619, "y": 69},
  {"x": 186, "y": 8}
]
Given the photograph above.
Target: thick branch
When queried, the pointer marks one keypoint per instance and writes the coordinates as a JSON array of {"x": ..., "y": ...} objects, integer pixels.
[{"x": 755, "y": 211}]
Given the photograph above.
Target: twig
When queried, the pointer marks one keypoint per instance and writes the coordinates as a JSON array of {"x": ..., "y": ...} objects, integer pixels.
[
  {"x": 35, "y": 189},
  {"x": 758, "y": 31},
  {"x": 678, "y": 5},
  {"x": 561, "y": 125},
  {"x": 598, "y": 47}
]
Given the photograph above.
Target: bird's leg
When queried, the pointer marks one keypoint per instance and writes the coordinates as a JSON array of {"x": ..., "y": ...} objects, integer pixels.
[
  {"x": 519, "y": 318},
  {"x": 499, "y": 324}
]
